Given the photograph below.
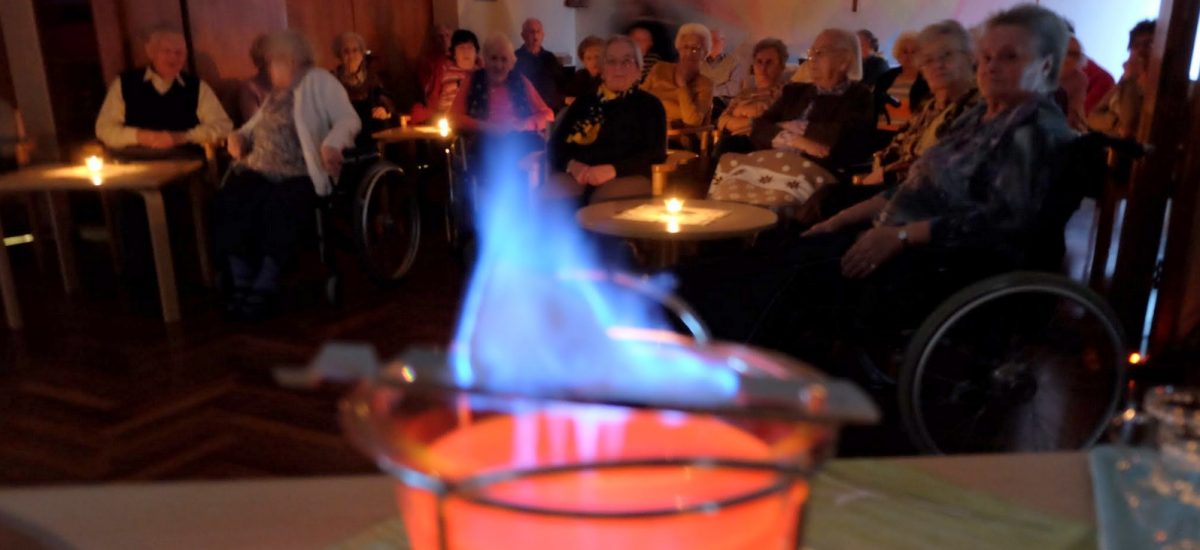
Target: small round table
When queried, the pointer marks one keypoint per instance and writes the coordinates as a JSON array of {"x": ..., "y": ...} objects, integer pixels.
[{"x": 742, "y": 221}]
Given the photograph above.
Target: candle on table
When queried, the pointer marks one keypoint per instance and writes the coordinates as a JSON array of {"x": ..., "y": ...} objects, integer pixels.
[
  {"x": 502, "y": 443},
  {"x": 672, "y": 225},
  {"x": 95, "y": 165},
  {"x": 674, "y": 206},
  {"x": 443, "y": 127}
]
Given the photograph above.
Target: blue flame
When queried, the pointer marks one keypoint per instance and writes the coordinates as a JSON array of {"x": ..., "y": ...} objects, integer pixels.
[{"x": 528, "y": 326}]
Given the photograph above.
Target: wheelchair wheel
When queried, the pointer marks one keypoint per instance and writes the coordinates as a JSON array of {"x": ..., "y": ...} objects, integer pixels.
[
  {"x": 387, "y": 222},
  {"x": 1019, "y": 362}
]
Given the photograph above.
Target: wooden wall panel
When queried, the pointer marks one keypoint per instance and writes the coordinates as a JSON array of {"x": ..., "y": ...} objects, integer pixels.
[
  {"x": 395, "y": 30},
  {"x": 321, "y": 21},
  {"x": 222, "y": 32},
  {"x": 7, "y": 93},
  {"x": 140, "y": 15}
]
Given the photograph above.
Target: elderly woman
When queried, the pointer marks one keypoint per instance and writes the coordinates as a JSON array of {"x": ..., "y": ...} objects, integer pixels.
[
  {"x": 497, "y": 99},
  {"x": 606, "y": 143},
  {"x": 815, "y": 129},
  {"x": 900, "y": 91},
  {"x": 686, "y": 94},
  {"x": 254, "y": 91},
  {"x": 946, "y": 61},
  {"x": 587, "y": 79},
  {"x": 372, "y": 103},
  {"x": 769, "y": 59},
  {"x": 451, "y": 76},
  {"x": 973, "y": 197},
  {"x": 285, "y": 156}
]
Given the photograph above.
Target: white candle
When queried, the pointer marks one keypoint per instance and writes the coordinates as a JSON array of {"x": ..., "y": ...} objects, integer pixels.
[
  {"x": 672, "y": 225},
  {"x": 443, "y": 127},
  {"x": 94, "y": 163}
]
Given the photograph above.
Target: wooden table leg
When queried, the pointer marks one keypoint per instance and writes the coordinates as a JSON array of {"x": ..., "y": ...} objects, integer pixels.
[
  {"x": 60, "y": 221},
  {"x": 164, "y": 266},
  {"x": 200, "y": 223},
  {"x": 8, "y": 287},
  {"x": 114, "y": 236}
]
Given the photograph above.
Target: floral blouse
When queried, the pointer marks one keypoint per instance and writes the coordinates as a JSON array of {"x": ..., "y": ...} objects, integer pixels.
[
  {"x": 984, "y": 184},
  {"x": 922, "y": 132}
]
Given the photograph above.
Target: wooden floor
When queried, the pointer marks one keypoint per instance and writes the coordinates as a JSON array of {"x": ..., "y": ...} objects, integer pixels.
[{"x": 96, "y": 388}]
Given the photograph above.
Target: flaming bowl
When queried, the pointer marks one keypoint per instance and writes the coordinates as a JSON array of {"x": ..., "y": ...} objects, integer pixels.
[{"x": 580, "y": 469}]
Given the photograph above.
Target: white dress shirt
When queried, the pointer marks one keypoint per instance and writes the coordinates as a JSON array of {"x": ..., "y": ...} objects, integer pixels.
[{"x": 111, "y": 128}]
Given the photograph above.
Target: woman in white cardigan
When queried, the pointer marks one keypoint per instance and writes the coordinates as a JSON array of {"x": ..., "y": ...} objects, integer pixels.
[{"x": 285, "y": 156}]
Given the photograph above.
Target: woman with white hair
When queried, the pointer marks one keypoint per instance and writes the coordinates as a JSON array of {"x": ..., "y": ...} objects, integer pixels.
[
  {"x": 686, "y": 94},
  {"x": 497, "y": 99},
  {"x": 370, "y": 100},
  {"x": 285, "y": 156},
  {"x": 901, "y": 91},
  {"x": 813, "y": 129}
]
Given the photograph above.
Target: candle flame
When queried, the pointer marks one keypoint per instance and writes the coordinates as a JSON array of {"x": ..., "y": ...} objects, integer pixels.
[
  {"x": 1136, "y": 358},
  {"x": 674, "y": 206},
  {"x": 443, "y": 127},
  {"x": 94, "y": 163}
]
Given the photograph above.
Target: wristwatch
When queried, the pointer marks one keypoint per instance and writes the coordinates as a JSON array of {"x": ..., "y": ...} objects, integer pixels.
[{"x": 903, "y": 236}]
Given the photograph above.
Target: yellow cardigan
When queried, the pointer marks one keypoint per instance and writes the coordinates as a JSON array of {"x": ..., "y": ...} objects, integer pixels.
[{"x": 690, "y": 106}]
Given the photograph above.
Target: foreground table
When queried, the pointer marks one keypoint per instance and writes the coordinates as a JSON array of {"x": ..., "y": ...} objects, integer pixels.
[
  {"x": 145, "y": 178},
  {"x": 315, "y": 513}
]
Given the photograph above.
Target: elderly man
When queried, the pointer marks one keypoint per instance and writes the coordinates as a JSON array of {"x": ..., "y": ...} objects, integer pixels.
[
  {"x": 159, "y": 107},
  {"x": 539, "y": 65}
]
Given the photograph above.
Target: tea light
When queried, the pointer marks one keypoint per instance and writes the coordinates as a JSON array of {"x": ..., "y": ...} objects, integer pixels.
[
  {"x": 94, "y": 163},
  {"x": 672, "y": 224},
  {"x": 674, "y": 206},
  {"x": 443, "y": 127}
]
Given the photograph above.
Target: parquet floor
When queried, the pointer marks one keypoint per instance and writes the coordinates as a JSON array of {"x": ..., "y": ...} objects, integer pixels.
[{"x": 96, "y": 388}]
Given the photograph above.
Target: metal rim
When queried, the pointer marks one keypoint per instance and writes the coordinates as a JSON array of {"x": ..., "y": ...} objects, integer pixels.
[
  {"x": 472, "y": 489},
  {"x": 969, "y": 300},
  {"x": 367, "y": 197}
]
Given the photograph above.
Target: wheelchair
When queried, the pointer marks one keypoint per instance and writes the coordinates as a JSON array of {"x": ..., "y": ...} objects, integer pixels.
[
  {"x": 1021, "y": 361},
  {"x": 373, "y": 210}
]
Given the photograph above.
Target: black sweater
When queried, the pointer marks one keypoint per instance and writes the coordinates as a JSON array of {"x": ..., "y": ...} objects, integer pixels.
[
  {"x": 841, "y": 122},
  {"x": 633, "y": 137}
]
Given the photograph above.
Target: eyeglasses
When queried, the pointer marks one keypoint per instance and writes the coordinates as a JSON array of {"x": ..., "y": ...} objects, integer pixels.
[
  {"x": 624, "y": 62},
  {"x": 942, "y": 58},
  {"x": 818, "y": 53},
  {"x": 693, "y": 50}
]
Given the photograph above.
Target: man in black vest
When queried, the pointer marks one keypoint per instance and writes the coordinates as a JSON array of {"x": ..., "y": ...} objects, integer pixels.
[
  {"x": 159, "y": 107},
  {"x": 540, "y": 66},
  {"x": 157, "y": 112}
]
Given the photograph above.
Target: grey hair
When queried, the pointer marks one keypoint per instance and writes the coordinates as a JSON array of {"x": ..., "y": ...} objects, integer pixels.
[
  {"x": 498, "y": 41},
  {"x": 772, "y": 44},
  {"x": 526, "y": 23},
  {"x": 154, "y": 32},
  {"x": 341, "y": 40},
  {"x": 904, "y": 38},
  {"x": 695, "y": 29},
  {"x": 1045, "y": 27},
  {"x": 947, "y": 28},
  {"x": 292, "y": 44},
  {"x": 625, "y": 39},
  {"x": 849, "y": 42}
]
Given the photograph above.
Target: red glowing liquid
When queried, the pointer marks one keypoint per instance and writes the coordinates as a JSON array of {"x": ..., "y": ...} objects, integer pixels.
[{"x": 501, "y": 443}]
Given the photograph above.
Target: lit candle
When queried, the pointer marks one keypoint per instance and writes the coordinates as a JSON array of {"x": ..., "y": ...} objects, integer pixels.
[
  {"x": 549, "y": 439},
  {"x": 674, "y": 206},
  {"x": 443, "y": 127},
  {"x": 672, "y": 224},
  {"x": 95, "y": 165}
]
